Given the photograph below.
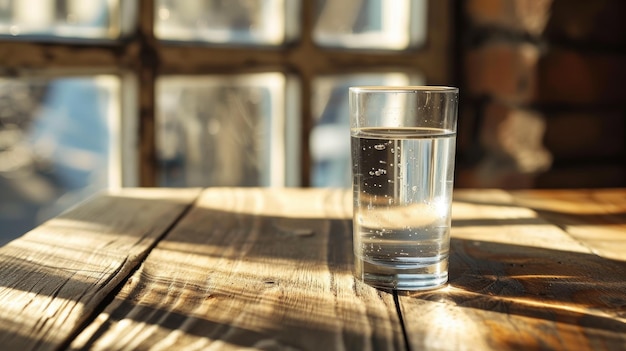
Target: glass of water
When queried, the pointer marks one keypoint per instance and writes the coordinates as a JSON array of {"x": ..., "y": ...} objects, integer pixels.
[{"x": 403, "y": 147}]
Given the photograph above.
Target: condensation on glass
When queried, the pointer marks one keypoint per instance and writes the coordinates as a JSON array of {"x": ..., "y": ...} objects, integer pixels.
[
  {"x": 60, "y": 142},
  {"x": 71, "y": 19},
  {"x": 228, "y": 22},
  {"x": 329, "y": 142},
  {"x": 228, "y": 130},
  {"x": 371, "y": 24}
]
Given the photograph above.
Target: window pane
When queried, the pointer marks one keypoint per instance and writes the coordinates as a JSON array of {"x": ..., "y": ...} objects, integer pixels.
[
  {"x": 59, "y": 143},
  {"x": 330, "y": 137},
  {"x": 227, "y": 130},
  {"x": 231, "y": 22},
  {"x": 77, "y": 19},
  {"x": 371, "y": 24}
]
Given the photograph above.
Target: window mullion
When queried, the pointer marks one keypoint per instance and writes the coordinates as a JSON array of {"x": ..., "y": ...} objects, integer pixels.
[{"x": 147, "y": 67}]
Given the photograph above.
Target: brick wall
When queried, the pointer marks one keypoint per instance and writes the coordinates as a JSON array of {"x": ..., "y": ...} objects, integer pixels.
[{"x": 543, "y": 100}]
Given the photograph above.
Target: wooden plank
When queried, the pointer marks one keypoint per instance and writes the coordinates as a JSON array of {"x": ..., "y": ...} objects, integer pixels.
[
  {"x": 54, "y": 277},
  {"x": 596, "y": 218},
  {"x": 257, "y": 268},
  {"x": 518, "y": 282}
]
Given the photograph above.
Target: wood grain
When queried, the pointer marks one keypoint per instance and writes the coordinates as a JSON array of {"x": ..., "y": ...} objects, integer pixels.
[
  {"x": 521, "y": 279},
  {"x": 54, "y": 277},
  {"x": 272, "y": 269},
  {"x": 261, "y": 269},
  {"x": 596, "y": 218}
]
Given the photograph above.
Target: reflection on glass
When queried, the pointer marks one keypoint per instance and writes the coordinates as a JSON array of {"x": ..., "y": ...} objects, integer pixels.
[
  {"x": 232, "y": 22},
  {"x": 59, "y": 143},
  {"x": 78, "y": 19},
  {"x": 329, "y": 141},
  {"x": 371, "y": 24},
  {"x": 227, "y": 130}
]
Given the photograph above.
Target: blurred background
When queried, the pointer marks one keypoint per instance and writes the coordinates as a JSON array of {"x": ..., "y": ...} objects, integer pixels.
[{"x": 100, "y": 94}]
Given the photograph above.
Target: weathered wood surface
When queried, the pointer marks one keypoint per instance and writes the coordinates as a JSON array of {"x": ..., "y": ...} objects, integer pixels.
[
  {"x": 53, "y": 278},
  {"x": 596, "y": 218},
  {"x": 525, "y": 274},
  {"x": 272, "y": 269},
  {"x": 263, "y": 269}
]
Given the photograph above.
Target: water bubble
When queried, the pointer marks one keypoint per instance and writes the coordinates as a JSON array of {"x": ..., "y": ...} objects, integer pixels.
[
  {"x": 379, "y": 147},
  {"x": 414, "y": 188},
  {"x": 379, "y": 172}
]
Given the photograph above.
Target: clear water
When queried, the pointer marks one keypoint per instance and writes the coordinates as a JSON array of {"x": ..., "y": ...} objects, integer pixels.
[{"x": 402, "y": 193}]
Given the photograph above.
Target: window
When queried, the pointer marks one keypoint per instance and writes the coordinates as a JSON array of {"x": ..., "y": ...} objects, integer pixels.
[
  {"x": 50, "y": 20},
  {"x": 227, "y": 130},
  {"x": 234, "y": 22},
  {"x": 370, "y": 24},
  {"x": 194, "y": 92}
]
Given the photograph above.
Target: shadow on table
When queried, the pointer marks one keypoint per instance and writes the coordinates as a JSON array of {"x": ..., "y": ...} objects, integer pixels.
[
  {"x": 544, "y": 284},
  {"x": 244, "y": 280},
  {"x": 519, "y": 297}
]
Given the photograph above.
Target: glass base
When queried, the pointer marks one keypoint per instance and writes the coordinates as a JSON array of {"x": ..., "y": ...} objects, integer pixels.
[{"x": 423, "y": 277}]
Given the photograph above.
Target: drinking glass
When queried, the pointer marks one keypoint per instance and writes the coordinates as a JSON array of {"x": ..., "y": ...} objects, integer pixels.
[{"x": 403, "y": 146}]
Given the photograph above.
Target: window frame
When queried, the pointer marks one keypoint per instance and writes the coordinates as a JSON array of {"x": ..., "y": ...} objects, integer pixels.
[{"x": 140, "y": 53}]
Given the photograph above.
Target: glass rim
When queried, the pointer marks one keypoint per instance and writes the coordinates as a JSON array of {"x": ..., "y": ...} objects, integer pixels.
[{"x": 403, "y": 89}]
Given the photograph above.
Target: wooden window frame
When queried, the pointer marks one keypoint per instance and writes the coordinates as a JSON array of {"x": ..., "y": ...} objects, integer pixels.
[{"x": 141, "y": 53}]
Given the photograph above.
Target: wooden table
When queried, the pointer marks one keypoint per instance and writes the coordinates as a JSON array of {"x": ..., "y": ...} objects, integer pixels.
[{"x": 271, "y": 269}]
